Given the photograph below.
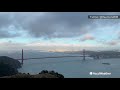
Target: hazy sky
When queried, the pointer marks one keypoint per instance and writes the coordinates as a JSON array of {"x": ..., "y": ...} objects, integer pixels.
[{"x": 58, "y": 31}]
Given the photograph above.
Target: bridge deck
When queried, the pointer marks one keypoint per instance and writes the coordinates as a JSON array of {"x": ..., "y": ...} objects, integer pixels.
[{"x": 53, "y": 57}]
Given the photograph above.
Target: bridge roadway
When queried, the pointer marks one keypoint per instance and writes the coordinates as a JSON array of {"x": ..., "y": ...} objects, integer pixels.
[{"x": 53, "y": 57}]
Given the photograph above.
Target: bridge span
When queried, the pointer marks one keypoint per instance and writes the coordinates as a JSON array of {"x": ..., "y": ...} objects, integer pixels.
[{"x": 84, "y": 57}]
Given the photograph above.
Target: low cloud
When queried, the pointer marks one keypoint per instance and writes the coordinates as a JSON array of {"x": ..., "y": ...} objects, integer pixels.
[
  {"x": 88, "y": 37},
  {"x": 113, "y": 42}
]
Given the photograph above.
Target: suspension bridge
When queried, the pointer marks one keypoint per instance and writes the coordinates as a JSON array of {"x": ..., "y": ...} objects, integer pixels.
[{"x": 84, "y": 57}]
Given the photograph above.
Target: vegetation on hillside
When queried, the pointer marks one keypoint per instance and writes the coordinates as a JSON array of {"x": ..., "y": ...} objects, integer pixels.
[{"x": 42, "y": 74}]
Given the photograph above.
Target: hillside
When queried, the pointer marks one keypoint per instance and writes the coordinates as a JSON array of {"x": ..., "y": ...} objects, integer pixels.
[
  {"x": 8, "y": 66},
  {"x": 43, "y": 74},
  {"x": 10, "y": 61}
]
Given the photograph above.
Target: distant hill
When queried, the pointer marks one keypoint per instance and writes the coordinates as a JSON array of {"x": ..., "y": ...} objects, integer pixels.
[{"x": 102, "y": 54}]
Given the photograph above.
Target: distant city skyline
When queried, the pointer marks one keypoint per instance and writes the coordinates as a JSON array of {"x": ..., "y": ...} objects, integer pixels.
[{"x": 58, "y": 31}]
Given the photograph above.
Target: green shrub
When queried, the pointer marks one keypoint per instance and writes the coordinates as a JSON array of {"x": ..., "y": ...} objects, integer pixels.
[
  {"x": 52, "y": 73},
  {"x": 44, "y": 71}
]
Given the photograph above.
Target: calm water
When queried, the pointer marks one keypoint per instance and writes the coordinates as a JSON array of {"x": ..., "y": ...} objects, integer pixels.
[{"x": 74, "y": 67}]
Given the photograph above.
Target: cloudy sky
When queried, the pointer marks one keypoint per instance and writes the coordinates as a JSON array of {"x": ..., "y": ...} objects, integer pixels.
[{"x": 58, "y": 31}]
